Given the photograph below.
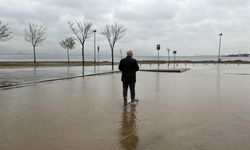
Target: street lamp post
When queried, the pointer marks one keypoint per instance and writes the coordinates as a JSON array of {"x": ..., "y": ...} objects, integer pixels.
[
  {"x": 98, "y": 50},
  {"x": 120, "y": 53},
  {"x": 174, "y": 52},
  {"x": 158, "y": 47},
  {"x": 94, "y": 47},
  {"x": 158, "y": 59},
  {"x": 219, "y": 47}
]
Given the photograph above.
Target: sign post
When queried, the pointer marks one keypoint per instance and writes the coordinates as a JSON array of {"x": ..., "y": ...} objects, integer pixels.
[
  {"x": 168, "y": 49},
  {"x": 174, "y": 52},
  {"x": 158, "y": 47},
  {"x": 98, "y": 50}
]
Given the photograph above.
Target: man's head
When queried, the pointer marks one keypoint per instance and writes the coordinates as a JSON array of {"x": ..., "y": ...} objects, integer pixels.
[{"x": 130, "y": 53}]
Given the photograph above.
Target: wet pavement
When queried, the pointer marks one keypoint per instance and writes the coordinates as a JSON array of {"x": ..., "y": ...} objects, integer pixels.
[{"x": 205, "y": 108}]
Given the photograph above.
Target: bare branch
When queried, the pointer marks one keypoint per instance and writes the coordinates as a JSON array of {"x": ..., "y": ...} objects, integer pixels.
[
  {"x": 107, "y": 34},
  {"x": 5, "y": 34},
  {"x": 68, "y": 43},
  {"x": 75, "y": 30},
  {"x": 35, "y": 34},
  {"x": 113, "y": 33},
  {"x": 81, "y": 29}
]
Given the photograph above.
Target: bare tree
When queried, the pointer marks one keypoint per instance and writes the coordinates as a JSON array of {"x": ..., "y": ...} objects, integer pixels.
[
  {"x": 68, "y": 44},
  {"x": 82, "y": 31},
  {"x": 5, "y": 34},
  {"x": 113, "y": 33},
  {"x": 35, "y": 34}
]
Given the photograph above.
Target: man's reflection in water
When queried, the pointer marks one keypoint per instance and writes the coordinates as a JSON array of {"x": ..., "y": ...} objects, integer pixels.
[{"x": 129, "y": 138}]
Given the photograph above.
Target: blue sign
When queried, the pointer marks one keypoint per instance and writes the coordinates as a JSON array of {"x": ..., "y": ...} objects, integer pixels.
[
  {"x": 158, "y": 46},
  {"x": 174, "y": 52}
]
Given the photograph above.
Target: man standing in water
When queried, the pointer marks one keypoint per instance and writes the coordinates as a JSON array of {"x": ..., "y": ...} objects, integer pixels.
[{"x": 128, "y": 66}]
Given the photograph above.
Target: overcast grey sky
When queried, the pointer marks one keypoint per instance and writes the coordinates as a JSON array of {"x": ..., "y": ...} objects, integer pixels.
[{"x": 189, "y": 26}]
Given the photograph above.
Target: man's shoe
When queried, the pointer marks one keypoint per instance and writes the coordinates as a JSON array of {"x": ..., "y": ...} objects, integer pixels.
[
  {"x": 125, "y": 100},
  {"x": 134, "y": 100}
]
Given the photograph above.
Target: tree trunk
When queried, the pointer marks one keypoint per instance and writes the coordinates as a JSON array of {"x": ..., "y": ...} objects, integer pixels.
[
  {"x": 83, "y": 59},
  {"x": 112, "y": 53},
  {"x": 34, "y": 52},
  {"x": 68, "y": 54}
]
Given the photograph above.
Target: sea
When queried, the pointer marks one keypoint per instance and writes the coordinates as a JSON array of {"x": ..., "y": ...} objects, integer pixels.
[{"x": 8, "y": 58}]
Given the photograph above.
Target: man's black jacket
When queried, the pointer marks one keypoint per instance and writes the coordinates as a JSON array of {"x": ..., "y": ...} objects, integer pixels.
[{"x": 128, "y": 66}]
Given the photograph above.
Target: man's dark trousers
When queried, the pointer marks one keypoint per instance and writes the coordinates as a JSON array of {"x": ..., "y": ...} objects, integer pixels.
[{"x": 131, "y": 85}]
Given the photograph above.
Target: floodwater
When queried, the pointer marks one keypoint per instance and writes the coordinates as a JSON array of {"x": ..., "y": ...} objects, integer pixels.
[
  {"x": 206, "y": 108},
  {"x": 13, "y": 76}
]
